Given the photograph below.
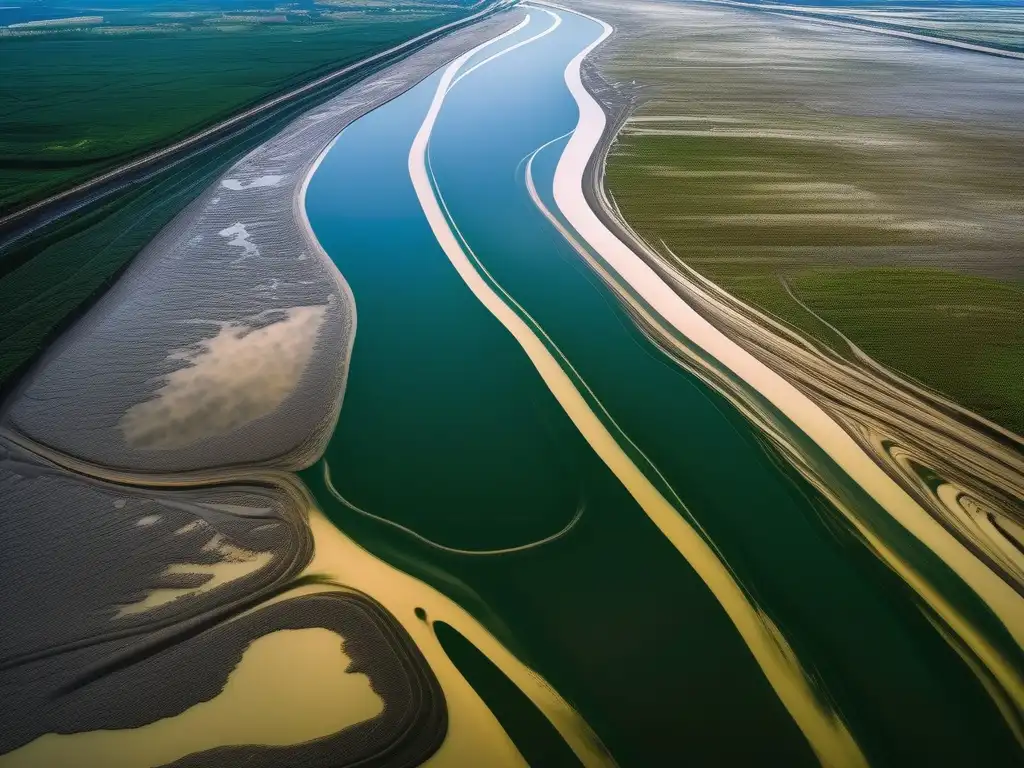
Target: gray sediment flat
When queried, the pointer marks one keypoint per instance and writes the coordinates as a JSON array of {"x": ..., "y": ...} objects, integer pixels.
[
  {"x": 226, "y": 342},
  {"x": 148, "y": 550},
  {"x": 94, "y": 551},
  {"x": 82, "y": 556},
  {"x": 128, "y": 606}
]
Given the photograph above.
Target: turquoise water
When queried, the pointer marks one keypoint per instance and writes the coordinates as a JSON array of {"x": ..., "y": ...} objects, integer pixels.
[{"x": 448, "y": 430}]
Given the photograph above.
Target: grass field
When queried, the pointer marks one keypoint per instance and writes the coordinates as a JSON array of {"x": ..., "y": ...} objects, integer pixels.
[
  {"x": 964, "y": 333},
  {"x": 878, "y": 182},
  {"x": 961, "y": 334},
  {"x": 76, "y": 102}
]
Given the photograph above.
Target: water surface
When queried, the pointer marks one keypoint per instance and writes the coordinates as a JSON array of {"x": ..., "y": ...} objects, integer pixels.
[{"x": 450, "y": 446}]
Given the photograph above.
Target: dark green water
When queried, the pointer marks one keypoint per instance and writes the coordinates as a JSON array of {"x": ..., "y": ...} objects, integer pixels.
[{"x": 448, "y": 430}]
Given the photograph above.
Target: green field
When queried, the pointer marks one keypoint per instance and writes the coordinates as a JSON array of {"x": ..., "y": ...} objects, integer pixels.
[
  {"x": 878, "y": 180},
  {"x": 755, "y": 215},
  {"x": 961, "y": 334},
  {"x": 74, "y": 103}
]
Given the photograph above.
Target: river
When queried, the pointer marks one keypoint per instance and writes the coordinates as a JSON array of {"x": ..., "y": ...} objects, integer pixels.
[{"x": 511, "y": 437}]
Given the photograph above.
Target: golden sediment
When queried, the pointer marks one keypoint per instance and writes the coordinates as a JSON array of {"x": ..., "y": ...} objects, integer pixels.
[
  {"x": 290, "y": 687},
  {"x": 952, "y": 469},
  {"x": 473, "y": 731},
  {"x": 1001, "y": 673},
  {"x": 474, "y": 735},
  {"x": 823, "y": 728},
  {"x": 236, "y": 563},
  {"x": 733, "y": 364}
]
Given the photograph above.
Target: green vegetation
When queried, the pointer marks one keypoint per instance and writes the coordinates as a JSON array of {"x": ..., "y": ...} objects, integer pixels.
[
  {"x": 48, "y": 278},
  {"x": 841, "y": 228},
  {"x": 76, "y": 102},
  {"x": 770, "y": 152},
  {"x": 965, "y": 334}
]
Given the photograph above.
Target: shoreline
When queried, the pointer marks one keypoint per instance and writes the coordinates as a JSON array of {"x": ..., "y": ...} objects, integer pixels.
[{"x": 306, "y": 230}]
